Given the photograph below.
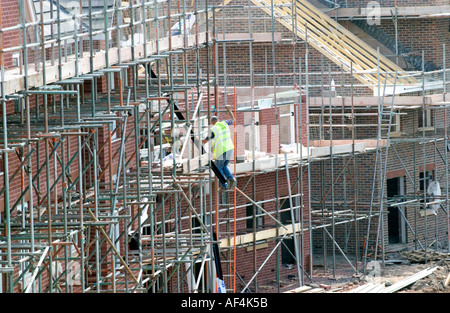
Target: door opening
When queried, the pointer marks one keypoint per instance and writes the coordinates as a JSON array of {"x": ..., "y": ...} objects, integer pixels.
[
  {"x": 288, "y": 248},
  {"x": 396, "y": 223}
]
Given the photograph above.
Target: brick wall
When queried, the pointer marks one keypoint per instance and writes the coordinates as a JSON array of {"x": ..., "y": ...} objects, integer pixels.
[
  {"x": 414, "y": 34},
  {"x": 408, "y": 164},
  {"x": 287, "y": 60},
  {"x": 9, "y": 18},
  {"x": 267, "y": 186}
]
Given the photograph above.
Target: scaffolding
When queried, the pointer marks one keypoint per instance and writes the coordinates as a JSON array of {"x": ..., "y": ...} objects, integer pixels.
[{"x": 98, "y": 197}]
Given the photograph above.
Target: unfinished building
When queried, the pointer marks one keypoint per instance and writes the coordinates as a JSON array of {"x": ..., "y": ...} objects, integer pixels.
[{"x": 340, "y": 140}]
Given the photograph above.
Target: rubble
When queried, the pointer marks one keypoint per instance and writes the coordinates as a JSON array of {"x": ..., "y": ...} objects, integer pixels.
[{"x": 398, "y": 274}]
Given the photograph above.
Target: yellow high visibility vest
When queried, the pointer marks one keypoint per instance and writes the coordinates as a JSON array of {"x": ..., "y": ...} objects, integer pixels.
[{"x": 221, "y": 142}]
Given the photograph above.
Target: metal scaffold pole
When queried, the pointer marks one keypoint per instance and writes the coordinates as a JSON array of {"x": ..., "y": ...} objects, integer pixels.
[{"x": 107, "y": 186}]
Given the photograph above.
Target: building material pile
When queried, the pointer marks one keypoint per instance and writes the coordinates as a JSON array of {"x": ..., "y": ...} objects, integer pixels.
[
  {"x": 372, "y": 287},
  {"x": 419, "y": 256}
]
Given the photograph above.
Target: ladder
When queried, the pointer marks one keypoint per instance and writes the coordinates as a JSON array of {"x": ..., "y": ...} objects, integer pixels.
[
  {"x": 386, "y": 114},
  {"x": 229, "y": 253},
  {"x": 335, "y": 42}
]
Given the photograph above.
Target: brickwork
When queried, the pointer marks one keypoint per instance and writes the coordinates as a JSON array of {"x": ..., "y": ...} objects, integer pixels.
[
  {"x": 269, "y": 185},
  {"x": 287, "y": 60},
  {"x": 9, "y": 18},
  {"x": 266, "y": 190},
  {"x": 409, "y": 164},
  {"x": 414, "y": 34}
]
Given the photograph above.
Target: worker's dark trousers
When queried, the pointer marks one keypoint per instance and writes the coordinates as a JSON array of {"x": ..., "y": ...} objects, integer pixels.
[{"x": 222, "y": 165}]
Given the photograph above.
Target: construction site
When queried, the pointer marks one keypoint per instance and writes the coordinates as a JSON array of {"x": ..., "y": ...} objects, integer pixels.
[{"x": 336, "y": 114}]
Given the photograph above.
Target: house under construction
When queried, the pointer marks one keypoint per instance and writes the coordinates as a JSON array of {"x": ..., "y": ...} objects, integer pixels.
[{"x": 340, "y": 139}]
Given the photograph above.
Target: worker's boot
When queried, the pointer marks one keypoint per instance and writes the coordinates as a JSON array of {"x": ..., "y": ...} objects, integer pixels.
[
  {"x": 223, "y": 188},
  {"x": 232, "y": 183}
]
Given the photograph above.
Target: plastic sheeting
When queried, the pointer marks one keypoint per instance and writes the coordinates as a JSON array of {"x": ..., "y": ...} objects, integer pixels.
[{"x": 434, "y": 190}]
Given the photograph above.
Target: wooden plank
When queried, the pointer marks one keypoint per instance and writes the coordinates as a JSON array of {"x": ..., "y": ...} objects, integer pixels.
[
  {"x": 352, "y": 40},
  {"x": 257, "y": 246},
  {"x": 299, "y": 289},
  {"x": 339, "y": 33},
  {"x": 257, "y": 37},
  {"x": 447, "y": 281},
  {"x": 260, "y": 235},
  {"x": 335, "y": 56},
  {"x": 408, "y": 281},
  {"x": 364, "y": 288},
  {"x": 347, "y": 34},
  {"x": 336, "y": 43},
  {"x": 316, "y": 290},
  {"x": 353, "y": 53}
]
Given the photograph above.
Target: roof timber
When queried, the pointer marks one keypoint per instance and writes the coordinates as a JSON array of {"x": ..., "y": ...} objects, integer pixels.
[{"x": 338, "y": 44}]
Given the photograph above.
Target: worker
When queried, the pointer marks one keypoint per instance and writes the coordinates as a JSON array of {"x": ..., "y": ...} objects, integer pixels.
[
  {"x": 167, "y": 134},
  {"x": 166, "y": 138},
  {"x": 222, "y": 146}
]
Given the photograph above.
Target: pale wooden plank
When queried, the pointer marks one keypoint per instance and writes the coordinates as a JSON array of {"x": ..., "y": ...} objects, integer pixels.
[
  {"x": 335, "y": 42},
  {"x": 299, "y": 289},
  {"x": 335, "y": 56},
  {"x": 348, "y": 36}
]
